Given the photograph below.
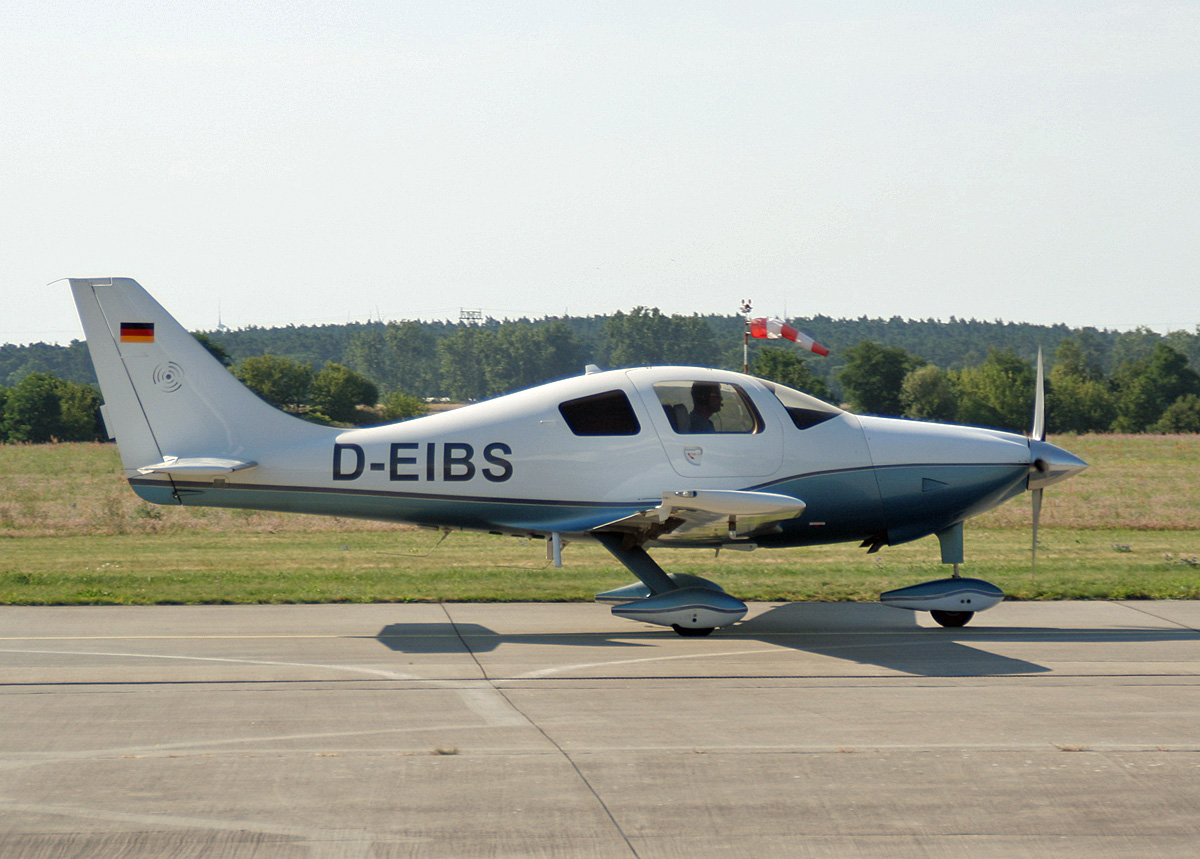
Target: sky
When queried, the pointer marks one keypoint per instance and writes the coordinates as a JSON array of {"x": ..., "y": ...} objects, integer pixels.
[{"x": 265, "y": 163}]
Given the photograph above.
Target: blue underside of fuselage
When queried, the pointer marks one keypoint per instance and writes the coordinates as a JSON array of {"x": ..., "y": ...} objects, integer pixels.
[{"x": 903, "y": 502}]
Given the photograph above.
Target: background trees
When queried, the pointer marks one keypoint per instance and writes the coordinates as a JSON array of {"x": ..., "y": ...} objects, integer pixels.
[
  {"x": 33, "y": 410},
  {"x": 398, "y": 406},
  {"x": 928, "y": 394},
  {"x": 330, "y": 395},
  {"x": 479, "y": 362},
  {"x": 998, "y": 393},
  {"x": 462, "y": 357},
  {"x": 1146, "y": 386},
  {"x": 337, "y": 392},
  {"x": 1183, "y": 415},
  {"x": 44, "y": 408},
  {"x": 786, "y": 367},
  {"x": 280, "y": 381},
  {"x": 961, "y": 370},
  {"x": 874, "y": 375},
  {"x": 398, "y": 356},
  {"x": 1078, "y": 397},
  {"x": 645, "y": 336},
  {"x": 520, "y": 355}
]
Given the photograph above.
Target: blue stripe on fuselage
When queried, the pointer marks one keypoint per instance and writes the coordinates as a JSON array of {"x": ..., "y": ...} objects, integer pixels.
[
  {"x": 904, "y": 501},
  {"x": 474, "y": 513}
]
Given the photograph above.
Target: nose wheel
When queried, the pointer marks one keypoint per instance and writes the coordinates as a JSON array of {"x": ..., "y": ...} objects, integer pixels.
[{"x": 952, "y": 619}]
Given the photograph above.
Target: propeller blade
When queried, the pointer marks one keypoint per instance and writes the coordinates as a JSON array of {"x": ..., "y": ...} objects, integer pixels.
[
  {"x": 1039, "y": 403},
  {"x": 1037, "y": 514}
]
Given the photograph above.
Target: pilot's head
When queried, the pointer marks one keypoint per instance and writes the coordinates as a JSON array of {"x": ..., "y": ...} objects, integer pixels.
[{"x": 706, "y": 397}]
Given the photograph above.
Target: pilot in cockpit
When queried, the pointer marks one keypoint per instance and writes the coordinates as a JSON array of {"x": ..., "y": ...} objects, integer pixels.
[{"x": 706, "y": 402}]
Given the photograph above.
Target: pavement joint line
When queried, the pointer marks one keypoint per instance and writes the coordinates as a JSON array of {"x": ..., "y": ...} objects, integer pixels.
[
  {"x": 190, "y": 636},
  {"x": 1137, "y": 608},
  {"x": 923, "y": 633},
  {"x": 542, "y": 672},
  {"x": 442, "y": 683},
  {"x": 563, "y": 752},
  {"x": 24, "y": 759},
  {"x": 207, "y": 823},
  {"x": 20, "y": 759},
  {"x": 357, "y": 669}
]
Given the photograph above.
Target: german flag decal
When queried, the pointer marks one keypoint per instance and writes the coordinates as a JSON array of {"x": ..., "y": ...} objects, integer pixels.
[{"x": 137, "y": 332}]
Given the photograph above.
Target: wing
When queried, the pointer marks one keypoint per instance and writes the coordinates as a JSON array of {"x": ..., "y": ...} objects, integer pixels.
[{"x": 710, "y": 516}]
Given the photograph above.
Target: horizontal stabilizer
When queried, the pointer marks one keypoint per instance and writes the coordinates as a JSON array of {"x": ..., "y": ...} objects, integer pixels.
[{"x": 195, "y": 466}]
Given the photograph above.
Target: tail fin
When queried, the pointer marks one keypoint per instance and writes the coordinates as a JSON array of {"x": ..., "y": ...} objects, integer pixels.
[{"x": 164, "y": 394}]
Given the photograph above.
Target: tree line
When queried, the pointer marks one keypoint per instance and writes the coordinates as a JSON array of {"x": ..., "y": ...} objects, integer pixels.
[
  {"x": 43, "y": 407},
  {"x": 1153, "y": 392},
  {"x": 643, "y": 335},
  {"x": 962, "y": 371}
]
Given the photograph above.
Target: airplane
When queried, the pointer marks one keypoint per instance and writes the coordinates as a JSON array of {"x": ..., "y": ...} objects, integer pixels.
[{"x": 632, "y": 459}]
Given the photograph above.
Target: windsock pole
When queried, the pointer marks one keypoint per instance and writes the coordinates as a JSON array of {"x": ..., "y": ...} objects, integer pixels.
[{"x": 746, "y": 308}]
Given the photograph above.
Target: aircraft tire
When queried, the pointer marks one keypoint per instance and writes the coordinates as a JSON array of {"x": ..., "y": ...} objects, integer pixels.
[
  {"x": 952, "y": 619},
  {"x": 692, "y": 631}
]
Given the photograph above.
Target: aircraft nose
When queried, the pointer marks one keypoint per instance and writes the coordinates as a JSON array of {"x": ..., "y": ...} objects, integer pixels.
[{"x": 1050, "y": 464}]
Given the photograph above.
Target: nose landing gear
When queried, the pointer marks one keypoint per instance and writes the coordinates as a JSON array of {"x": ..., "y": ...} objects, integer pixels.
[
  {"x": 952, "y": 619},
  {"x": 951, "y": 602}
]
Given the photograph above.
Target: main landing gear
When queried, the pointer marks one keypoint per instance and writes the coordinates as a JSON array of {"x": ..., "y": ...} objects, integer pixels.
[{"x": 690, "y": 605}]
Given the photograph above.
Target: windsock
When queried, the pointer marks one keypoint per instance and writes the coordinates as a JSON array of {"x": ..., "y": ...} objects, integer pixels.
[{"x": 774, "y": 329}]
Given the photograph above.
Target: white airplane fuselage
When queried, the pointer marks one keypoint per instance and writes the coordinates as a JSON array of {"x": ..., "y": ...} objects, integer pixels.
[{"x": 512, "y": 465}]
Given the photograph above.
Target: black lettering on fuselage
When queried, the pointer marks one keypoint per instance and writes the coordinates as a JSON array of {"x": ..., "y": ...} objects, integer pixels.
[
  {"x": 454, "y": 463},
  {"x": 397, "y": 460},
  {"x": 504, "y": 467},
  {"x": 339, "y": 472},
  {"x": 455, "y": 455}
]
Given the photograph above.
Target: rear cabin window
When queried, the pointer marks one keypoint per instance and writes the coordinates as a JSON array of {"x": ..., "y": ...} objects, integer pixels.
[
  {"x": 805, "y": 410},
  {"x": 601, "y": 414},
  {"x": 708, "y": 407}
]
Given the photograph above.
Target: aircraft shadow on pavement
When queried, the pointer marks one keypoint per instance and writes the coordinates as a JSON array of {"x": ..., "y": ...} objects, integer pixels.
[
  {"x": 864, "y": 633},
  {"x": 872, "y": 634}
]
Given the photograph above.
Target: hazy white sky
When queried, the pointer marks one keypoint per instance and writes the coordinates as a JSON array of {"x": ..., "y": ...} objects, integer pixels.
[{"x": 311, "y": 162}]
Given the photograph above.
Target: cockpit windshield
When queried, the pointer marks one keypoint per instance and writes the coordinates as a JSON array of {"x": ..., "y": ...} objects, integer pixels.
[{"x": 805, "y": 410}]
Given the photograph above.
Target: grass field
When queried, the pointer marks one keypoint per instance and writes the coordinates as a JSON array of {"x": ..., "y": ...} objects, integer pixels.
[{"x": 72, "y": 532}]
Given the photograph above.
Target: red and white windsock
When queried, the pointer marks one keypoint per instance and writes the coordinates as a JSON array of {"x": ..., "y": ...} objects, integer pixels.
[{"x": 774, "y": 329}]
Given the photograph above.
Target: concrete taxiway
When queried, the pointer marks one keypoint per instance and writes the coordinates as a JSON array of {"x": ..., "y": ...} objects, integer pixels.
[{"x": 824, "y": 730}]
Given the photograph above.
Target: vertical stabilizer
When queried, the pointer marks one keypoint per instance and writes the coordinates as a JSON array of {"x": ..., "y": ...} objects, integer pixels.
[{"x": 164, "y": 394}]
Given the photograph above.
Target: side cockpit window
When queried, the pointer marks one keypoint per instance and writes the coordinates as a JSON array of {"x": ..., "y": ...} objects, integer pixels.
[
  {"x": 805, "y": 411},
  {"x": 609, "y": 413},
  {"x": 708, "y": 407}
]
